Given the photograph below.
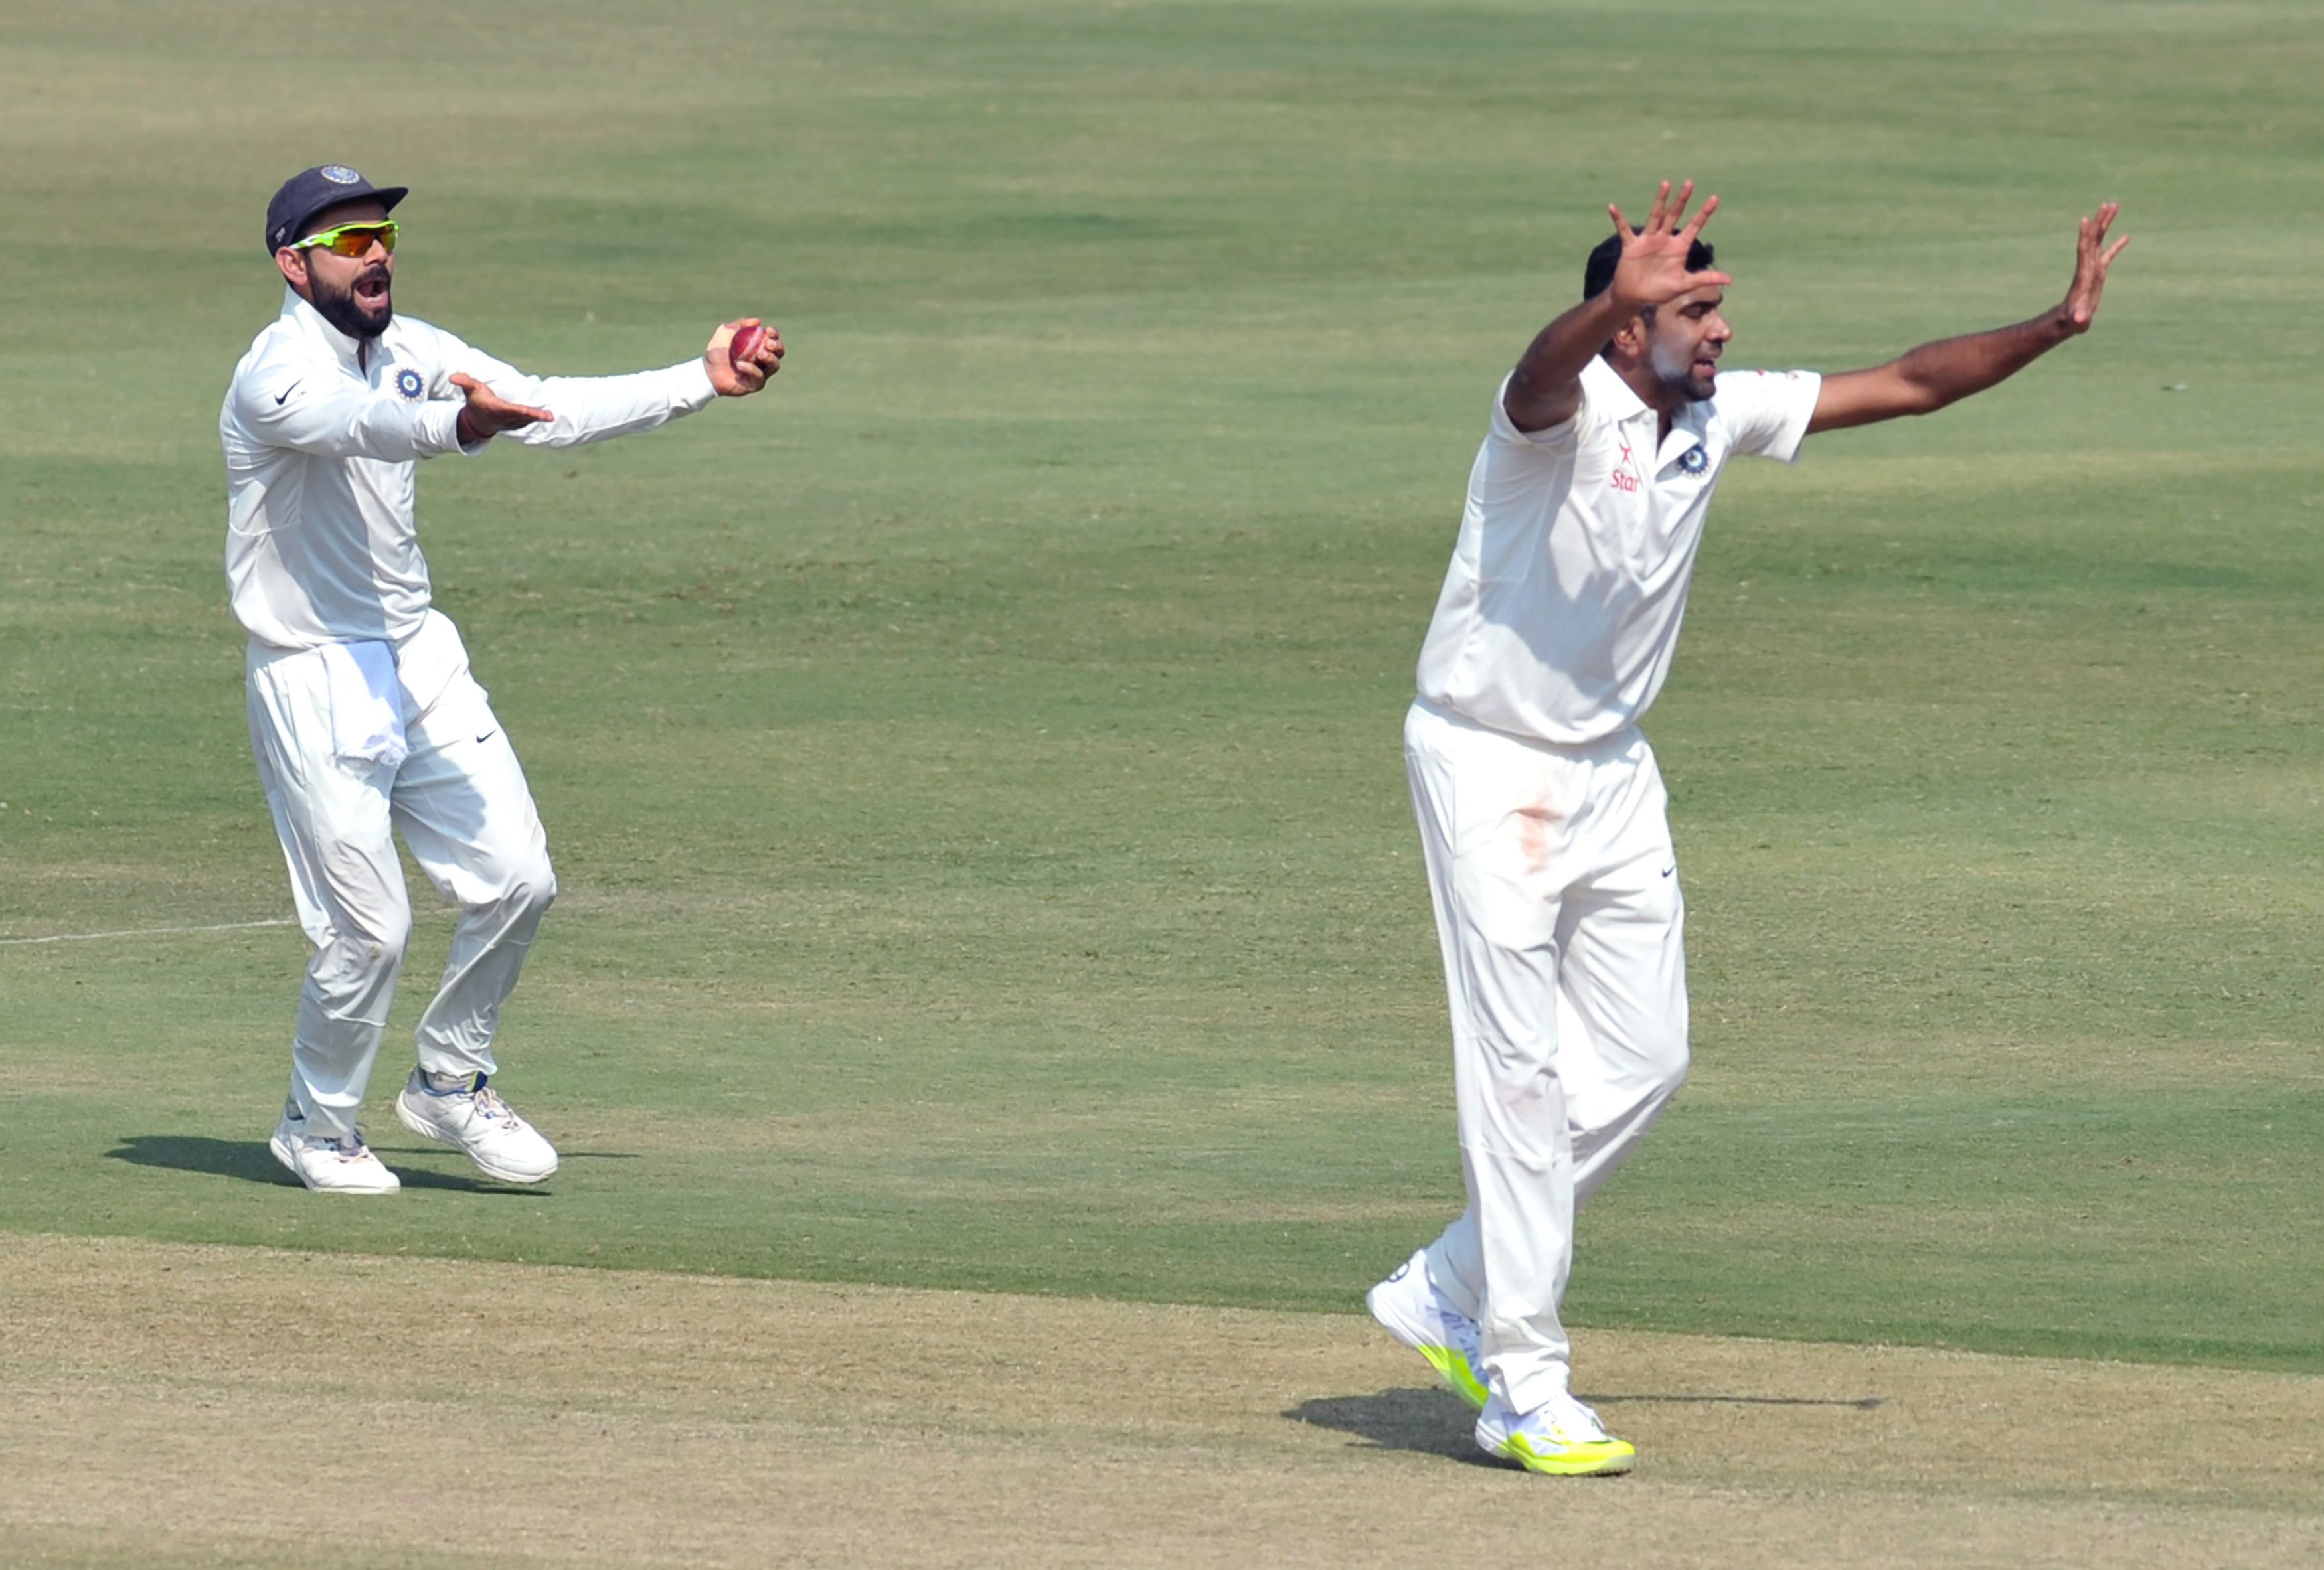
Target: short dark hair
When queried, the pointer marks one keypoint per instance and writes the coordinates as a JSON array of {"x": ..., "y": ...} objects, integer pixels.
[{"x": 1598, "y": 273}]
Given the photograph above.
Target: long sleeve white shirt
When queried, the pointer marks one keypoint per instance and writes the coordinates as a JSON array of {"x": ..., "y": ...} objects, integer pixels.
[{"x": 321, "y": 448}]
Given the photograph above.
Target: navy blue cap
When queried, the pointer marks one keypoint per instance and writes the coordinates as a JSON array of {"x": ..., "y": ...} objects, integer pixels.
[{"x": 311, "y": 190}]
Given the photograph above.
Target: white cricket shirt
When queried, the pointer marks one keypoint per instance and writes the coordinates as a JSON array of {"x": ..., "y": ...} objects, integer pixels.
[
  {"x": 1562, "y": 607},
  {"x": 321, "y": 449}
]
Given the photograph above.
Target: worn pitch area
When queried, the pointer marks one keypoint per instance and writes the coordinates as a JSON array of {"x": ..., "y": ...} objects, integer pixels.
[{"x": 172, "y": 1406}]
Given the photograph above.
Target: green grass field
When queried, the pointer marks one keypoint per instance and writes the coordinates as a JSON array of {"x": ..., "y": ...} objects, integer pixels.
[{"x": 973, "y": 767}]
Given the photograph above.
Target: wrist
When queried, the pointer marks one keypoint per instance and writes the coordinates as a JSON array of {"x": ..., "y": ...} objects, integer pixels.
[
  {"x": 469, "y": 432},
  {"x": 1617, "y": 307}
]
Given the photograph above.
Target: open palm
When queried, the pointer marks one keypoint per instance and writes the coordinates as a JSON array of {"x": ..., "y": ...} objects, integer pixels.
[
  {"x": 1653, "y": 269},
  {"x": 2093, "y": 257},
  {"x": 489, "y": 414}
]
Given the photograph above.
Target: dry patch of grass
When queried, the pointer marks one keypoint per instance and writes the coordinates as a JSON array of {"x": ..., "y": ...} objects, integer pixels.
[{"x": 171, "y": 1406}]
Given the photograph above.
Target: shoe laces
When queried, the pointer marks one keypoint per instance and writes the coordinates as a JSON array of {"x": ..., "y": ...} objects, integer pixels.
[
  {"x": 479, "y": 1094},
  {"x": 1574, "y": 1420},
  {"x": 489, "y": 1105}
]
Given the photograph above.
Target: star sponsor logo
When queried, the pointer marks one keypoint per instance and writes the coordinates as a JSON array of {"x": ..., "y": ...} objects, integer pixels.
[{"x": 1625, "y": 477}]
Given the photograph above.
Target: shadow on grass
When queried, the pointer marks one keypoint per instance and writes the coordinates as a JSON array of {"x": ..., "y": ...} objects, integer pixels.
[
  {"x": 253, "y": 1163},
  {"x": 1435, "y": 1422},
  {"x": 1861, "y": 1403},
  {"x": 399, "y": 1150}
]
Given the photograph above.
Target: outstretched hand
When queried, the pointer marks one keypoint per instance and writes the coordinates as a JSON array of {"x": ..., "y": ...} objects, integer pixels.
[
  {"x": 1653, "y": 270},
  {"x": 736, "y": 378},
  {"x": 488, "y": 414},
  {"x": 2090, "y": 264}
]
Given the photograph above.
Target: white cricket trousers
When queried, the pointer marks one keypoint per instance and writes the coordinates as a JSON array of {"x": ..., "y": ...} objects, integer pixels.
[
  {"x": 461, "y": 801},
  {"x": 1558, "y": 909}
]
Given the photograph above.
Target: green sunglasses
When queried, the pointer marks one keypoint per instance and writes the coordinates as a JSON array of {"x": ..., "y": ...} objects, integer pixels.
[{"x": 350, "y": 239}]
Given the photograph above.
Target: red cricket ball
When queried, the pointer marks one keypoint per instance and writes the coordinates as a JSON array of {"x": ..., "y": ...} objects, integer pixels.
[{"x": 744, "y": 346}]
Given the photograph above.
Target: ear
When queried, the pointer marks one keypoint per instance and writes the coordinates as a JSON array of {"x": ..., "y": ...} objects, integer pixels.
[
  {"x": 293, "y": 266},
  {"x": 1630, "y": 338}
]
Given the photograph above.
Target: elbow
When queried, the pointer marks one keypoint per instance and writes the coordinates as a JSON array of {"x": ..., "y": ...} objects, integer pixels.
[{"x": 1920, "y": 400}]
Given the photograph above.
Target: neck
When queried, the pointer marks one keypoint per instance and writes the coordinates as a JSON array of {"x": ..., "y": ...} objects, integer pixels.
[
  {"x": 1651, "y": 390},
  {"x": 362, "y": 344}
]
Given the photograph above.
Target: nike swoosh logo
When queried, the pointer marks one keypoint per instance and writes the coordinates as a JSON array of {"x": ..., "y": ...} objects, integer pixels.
[
  {"x": 1670, "y": 869},
  {"x": 287, "y": 392},
  {"x": 488, "y": 735}
]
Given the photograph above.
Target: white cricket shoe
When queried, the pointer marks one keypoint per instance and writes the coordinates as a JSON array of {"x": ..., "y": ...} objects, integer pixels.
[
  {"x": 329, "y": 1166},
  {"x": 1561, "y": 1436},
  {"x": 472, "y": 1115},
  {"x": 1409, "y": 1307}
]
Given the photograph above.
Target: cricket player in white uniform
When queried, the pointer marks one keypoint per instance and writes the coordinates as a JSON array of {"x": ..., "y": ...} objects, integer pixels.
[
  {"x": 364, "y": 716},
  {"x": 1542, "y": 814}
]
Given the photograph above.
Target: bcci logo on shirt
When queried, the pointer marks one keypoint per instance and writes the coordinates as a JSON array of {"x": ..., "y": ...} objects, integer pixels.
[
  {"x": 408, "y": 382},
  {"x": 1695, "y": 460}
]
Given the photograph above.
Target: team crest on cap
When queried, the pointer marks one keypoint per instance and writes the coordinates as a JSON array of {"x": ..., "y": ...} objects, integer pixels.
[
  {"x": 408, "y": 382},
  {"x": 1694, "y": 460},
  {"x": 339, "y": 174}
]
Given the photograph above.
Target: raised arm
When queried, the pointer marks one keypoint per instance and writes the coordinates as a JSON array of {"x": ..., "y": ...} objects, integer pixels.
[
  {"x": 1546, "y": 388},
  {"x": 1934, "y": 375}
]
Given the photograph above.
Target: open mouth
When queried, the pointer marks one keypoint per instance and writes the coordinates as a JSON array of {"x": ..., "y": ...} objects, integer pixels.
[{"x": 371, "y": 287}]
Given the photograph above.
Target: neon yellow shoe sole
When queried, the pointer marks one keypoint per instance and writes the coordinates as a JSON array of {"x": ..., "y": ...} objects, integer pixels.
[
  {"x": 1400, "y": 1305},
  {"x": 1594, "y": 1458},
  {"x": 1452, "y": 1367}
]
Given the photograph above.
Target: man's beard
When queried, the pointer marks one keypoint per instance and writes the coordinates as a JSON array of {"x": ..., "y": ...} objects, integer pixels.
[
  {"x": 344, "y": 311},
  {"x": 1675, "y": 371}
]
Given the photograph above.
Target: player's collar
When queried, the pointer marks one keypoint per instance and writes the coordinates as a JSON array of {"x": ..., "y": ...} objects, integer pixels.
[
  {"x": 1682, "y": 438},
  {"x": 312, "y": 323},
  {"x": 1689, "y": 427},
  {"x": 1608, "y": 393}
]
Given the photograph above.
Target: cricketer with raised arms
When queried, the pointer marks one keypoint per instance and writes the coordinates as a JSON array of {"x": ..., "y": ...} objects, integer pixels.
[{"x": 1542, "y": 812}]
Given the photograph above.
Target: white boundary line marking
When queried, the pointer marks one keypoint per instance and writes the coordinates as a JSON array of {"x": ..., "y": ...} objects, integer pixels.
[{"x": 151, "y": 931}]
